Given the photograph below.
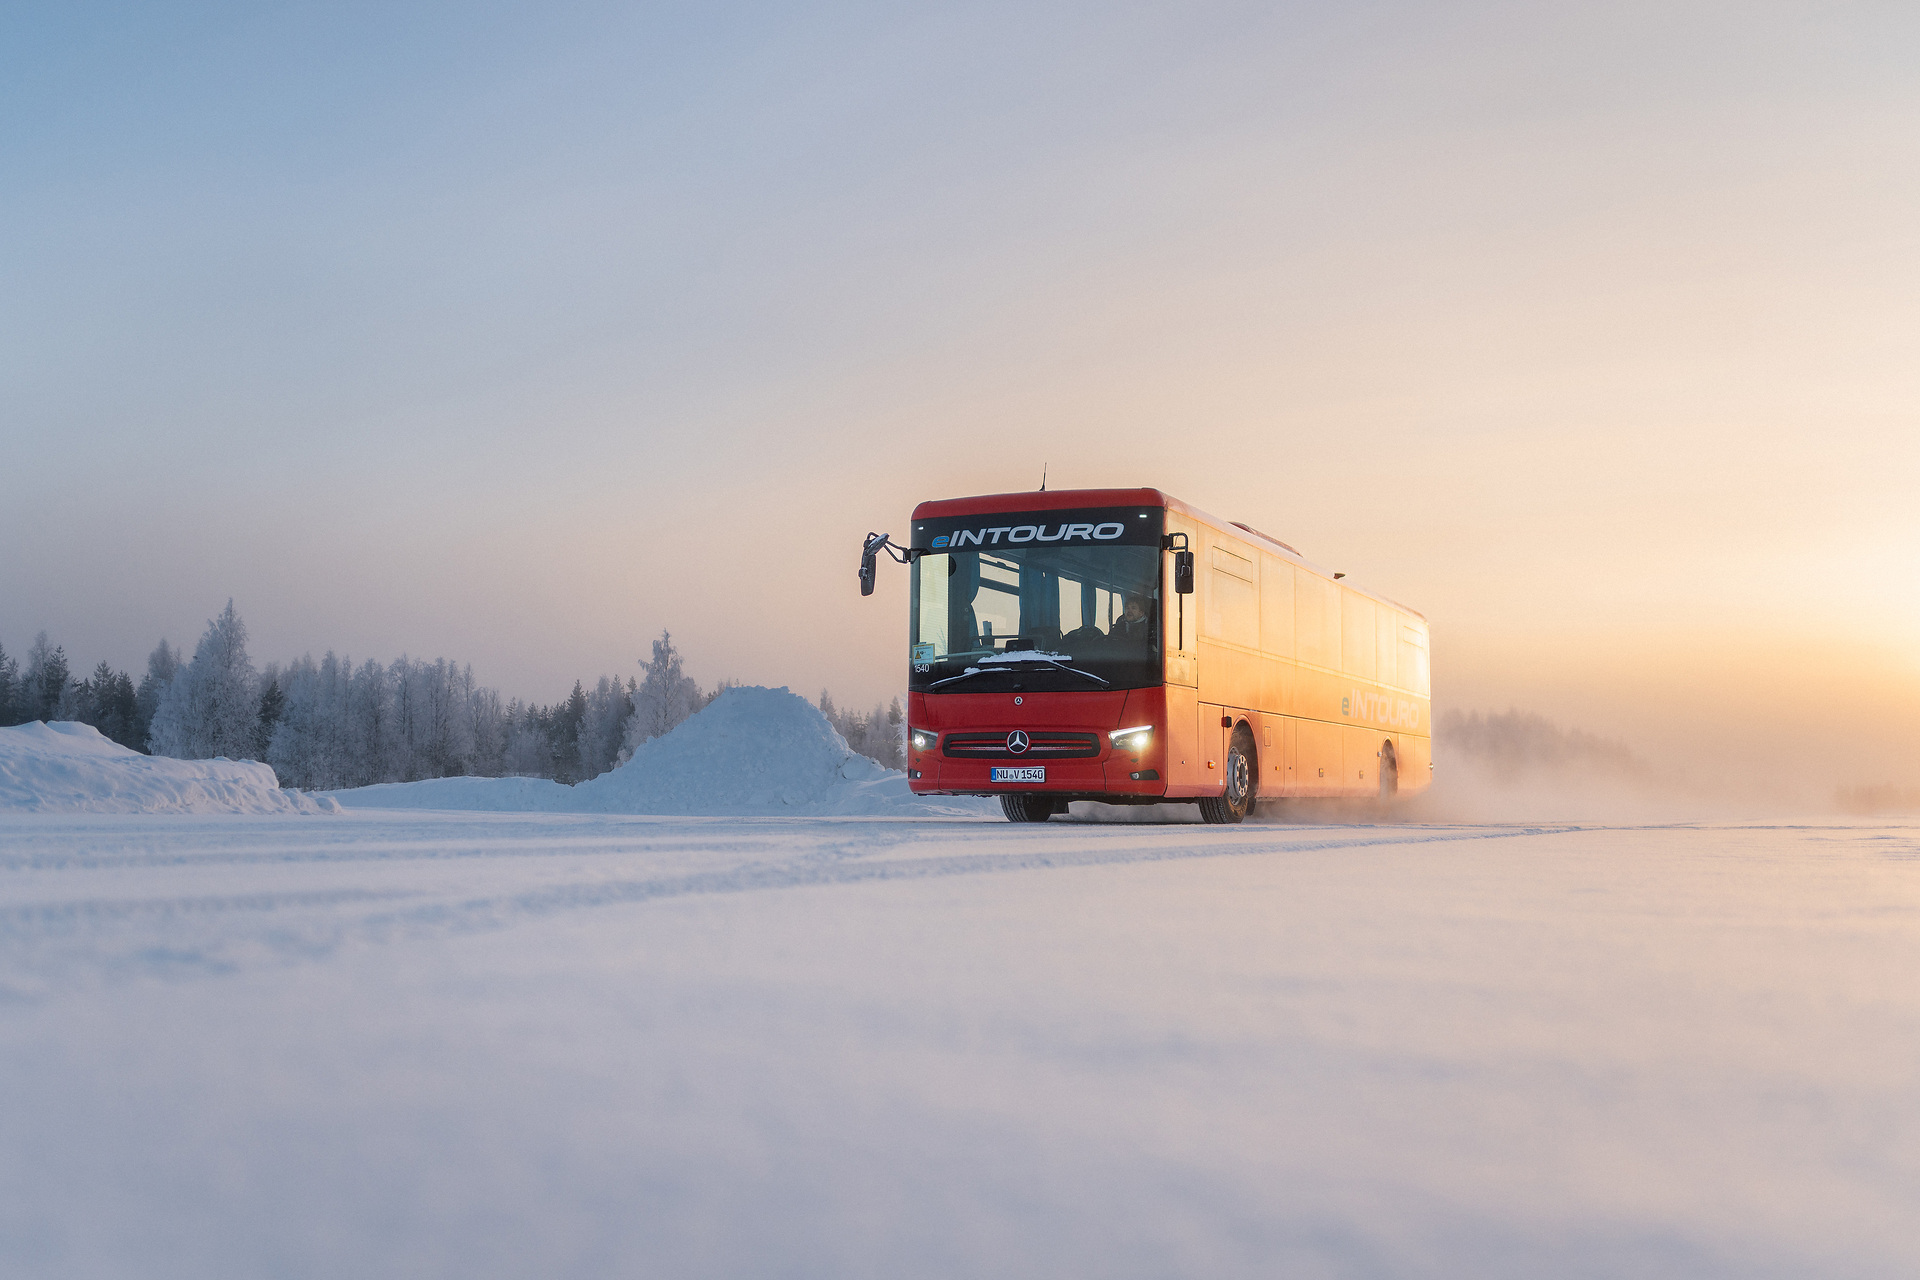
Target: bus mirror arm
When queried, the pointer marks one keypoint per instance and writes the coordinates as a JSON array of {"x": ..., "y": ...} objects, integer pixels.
[
  {"x": 1182, "y": 579},
  {"x": 1182, "y": 563},
  {"x": 869, "y": 553}
]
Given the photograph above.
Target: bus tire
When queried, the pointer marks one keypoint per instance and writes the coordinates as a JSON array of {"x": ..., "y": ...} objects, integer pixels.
[
  {"x": 1243, "y": 773},
  {"x": 1389, "y": 771},
  {"x": 1027, "y": 808}
]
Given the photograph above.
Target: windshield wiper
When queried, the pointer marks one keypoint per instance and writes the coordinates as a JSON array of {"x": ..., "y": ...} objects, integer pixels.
[{"x": 1021, "y": 665}]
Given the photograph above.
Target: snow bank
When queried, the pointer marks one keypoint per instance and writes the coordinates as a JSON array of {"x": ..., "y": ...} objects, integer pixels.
[
  {"x": 490, "y": 795},
  {"x": 752, "y": 751},
  {"x": 66, "y": 767}
]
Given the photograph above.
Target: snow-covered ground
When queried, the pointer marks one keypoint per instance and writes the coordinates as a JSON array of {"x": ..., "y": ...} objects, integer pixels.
[{"x": 430, "y": 1044}]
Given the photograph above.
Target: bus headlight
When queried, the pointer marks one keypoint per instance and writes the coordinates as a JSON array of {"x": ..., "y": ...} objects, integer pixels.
[
  {"x": 1134, "y": 739},
  {"x": 923, "y": 739}
]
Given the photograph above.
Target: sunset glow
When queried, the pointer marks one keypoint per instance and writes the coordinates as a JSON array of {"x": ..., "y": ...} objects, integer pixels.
[{"x": 1589, "y": 334}]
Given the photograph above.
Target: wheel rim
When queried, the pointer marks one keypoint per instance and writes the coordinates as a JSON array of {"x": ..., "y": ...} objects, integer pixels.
[{"x": 1238, "y": 780}]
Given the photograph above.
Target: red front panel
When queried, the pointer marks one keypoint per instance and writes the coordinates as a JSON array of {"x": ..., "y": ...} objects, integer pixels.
[{"x": 972, "y": 728}]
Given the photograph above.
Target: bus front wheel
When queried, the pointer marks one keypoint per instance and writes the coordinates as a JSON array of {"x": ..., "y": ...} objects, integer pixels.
[
  {"x": 1027, "y": 808},
  {"x": 1243, "y": 769}
]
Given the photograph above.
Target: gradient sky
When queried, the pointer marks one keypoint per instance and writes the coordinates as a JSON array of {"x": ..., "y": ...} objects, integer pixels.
[{"x": 516, "y": 334}]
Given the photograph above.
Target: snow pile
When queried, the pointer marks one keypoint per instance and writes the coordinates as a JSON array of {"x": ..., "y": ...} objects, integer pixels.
[
  {"x": 66, "y": 767},
  {"x": 752, "y": 751}
]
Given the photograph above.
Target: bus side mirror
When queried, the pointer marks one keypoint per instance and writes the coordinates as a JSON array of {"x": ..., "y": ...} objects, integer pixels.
[
  {"x": 1183, "y": 573},
  {"x": 870, "y": 552}
]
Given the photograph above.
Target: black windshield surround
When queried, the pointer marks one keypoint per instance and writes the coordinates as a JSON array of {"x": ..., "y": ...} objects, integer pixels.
[{"x": 1077, "y": 590}]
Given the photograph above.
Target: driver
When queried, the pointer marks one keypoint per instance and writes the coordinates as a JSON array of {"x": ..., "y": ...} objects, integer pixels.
[{"x": 1132, "y": 624}]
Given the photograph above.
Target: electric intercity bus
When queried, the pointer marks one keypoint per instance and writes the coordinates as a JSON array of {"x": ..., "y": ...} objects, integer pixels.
[{"x": 1119, "y": 645}]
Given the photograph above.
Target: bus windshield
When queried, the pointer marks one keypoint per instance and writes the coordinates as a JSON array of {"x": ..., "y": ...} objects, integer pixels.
[{"x": 1035, "y": 617}]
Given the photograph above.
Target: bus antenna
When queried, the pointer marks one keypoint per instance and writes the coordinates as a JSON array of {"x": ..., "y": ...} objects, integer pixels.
[{"x": 1043, "y": 477}]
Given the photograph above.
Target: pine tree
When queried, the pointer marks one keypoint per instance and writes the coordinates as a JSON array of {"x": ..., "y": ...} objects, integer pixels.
[
  {"x": 109, "y": 703},
  {"x": 11, "y": 712},
  {"x": 125, "y": 700},
  {"x": 565, "y": 728},
  {"x": 273, "y": 704}
]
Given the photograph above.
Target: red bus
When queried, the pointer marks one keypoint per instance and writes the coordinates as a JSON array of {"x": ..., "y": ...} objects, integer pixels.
[{"x": 1122, "y": 646}]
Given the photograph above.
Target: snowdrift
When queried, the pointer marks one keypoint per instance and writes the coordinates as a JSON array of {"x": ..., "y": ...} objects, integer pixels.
[
  {"x": 751, "y": 752},
  {"x": 65, "y": 767},
  {"x": 484, "y": 795}
]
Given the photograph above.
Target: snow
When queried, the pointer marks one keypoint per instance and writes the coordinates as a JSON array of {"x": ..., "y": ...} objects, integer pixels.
[
  {"x": 490, "y": 795},
  {"x": 66, "y": 767},
  {"x": 1017, "y": 656},
  {"x": 752, "y": 751},
  {"x": 479, "y": 1045}
]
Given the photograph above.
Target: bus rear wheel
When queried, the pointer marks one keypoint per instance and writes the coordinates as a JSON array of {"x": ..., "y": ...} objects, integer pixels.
[
  {"x": 1028, "y": 808},
  {"x": 1243, "y": 770}
]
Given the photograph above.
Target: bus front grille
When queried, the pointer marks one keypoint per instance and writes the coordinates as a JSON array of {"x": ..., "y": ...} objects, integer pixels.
[{"x": 1042, "y": 744}]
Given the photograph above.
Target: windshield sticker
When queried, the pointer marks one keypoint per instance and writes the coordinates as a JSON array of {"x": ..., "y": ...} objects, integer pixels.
[{"x": 923, "y": 653}]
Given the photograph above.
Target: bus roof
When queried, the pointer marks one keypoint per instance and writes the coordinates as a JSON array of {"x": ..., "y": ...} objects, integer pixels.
[{"x": 1067, "y": 499}]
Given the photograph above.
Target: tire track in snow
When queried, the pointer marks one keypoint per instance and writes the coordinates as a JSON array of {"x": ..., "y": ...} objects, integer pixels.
[
  {"x": 57, "y": 941},
  {"x": 498, "y": 911}
]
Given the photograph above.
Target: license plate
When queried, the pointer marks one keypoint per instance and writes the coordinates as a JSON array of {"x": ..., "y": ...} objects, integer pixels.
[{"x": 1033, "y": 773}]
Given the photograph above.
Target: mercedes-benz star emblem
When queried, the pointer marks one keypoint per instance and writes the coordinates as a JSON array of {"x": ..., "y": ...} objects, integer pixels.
[{"x": 1017, "y": 742}]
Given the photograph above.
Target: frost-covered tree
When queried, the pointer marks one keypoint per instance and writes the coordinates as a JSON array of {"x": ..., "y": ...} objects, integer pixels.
[
  {"x": 603, "y": 725},
  {"x": 369, "y": 746},
  {"x": 44, "y": 680},
  {"x": 487, "y": 725},
  {"x": 162, "y": 665},
  {"x": 212, "y": 707},
  {"x": 664, "y": 698},
  {"x": 75, "y": 704},
  {"x": 895, "y": 745},
  {"x": 529, "y": 752},
  {"x": 309, "y": 747}
]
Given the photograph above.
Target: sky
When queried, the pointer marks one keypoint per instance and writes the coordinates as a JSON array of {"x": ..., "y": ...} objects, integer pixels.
[{"x": 519, "y": 334}]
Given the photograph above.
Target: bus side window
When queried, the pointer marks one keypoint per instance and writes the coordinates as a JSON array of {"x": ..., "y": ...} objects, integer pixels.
[
  {"x": 1387, "y": 667},
  {"x": 1357, "y": 627},
  {"x": 1232, "y": 609},
  {"x": 1316, "y": 604},
  {"x": 1413, "y": 659},
  {"x": 1276, "y": 606}
]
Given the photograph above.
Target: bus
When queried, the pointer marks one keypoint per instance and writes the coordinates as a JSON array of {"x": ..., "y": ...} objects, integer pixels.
[{"x": 1122, "y": 646}]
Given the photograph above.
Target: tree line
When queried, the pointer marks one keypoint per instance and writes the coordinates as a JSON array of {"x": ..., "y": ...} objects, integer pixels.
[{"x": 330, "y": 723}]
